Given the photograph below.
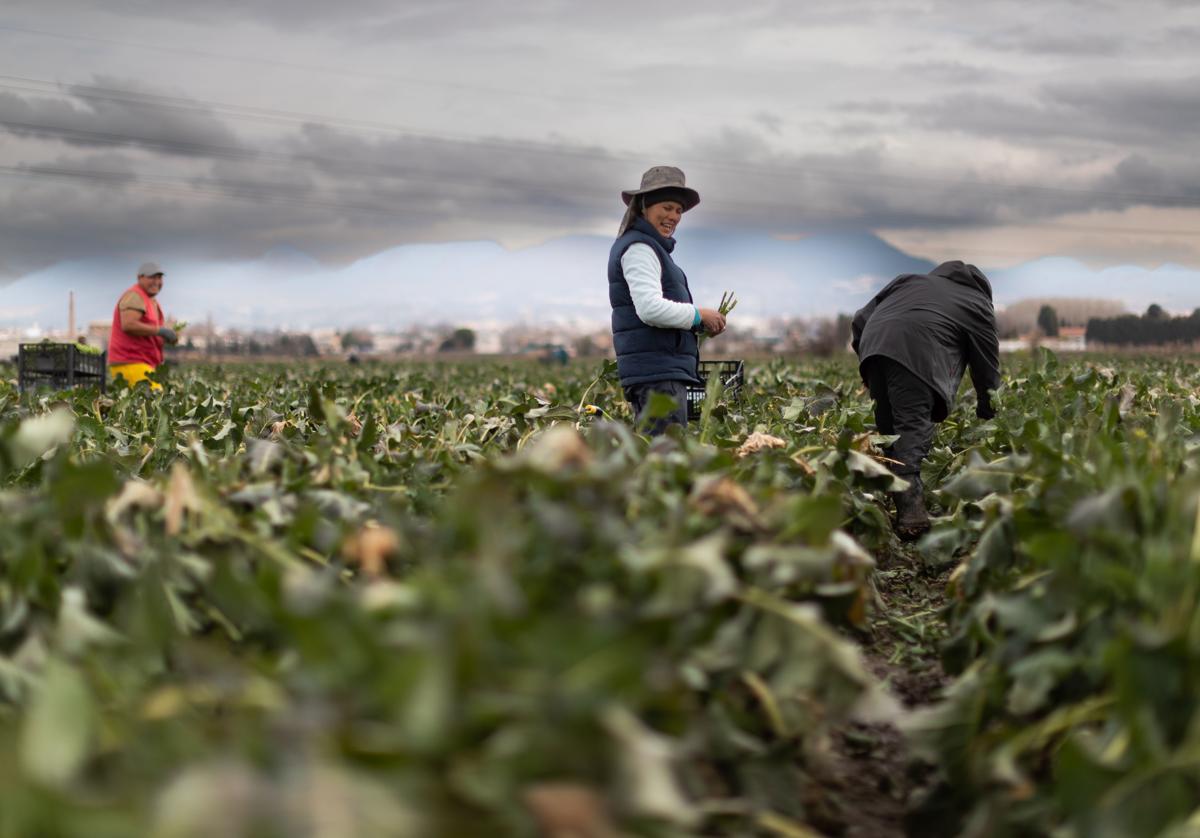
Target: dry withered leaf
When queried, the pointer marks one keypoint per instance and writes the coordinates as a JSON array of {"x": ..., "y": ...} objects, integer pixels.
[
  {"x": 805, "y": 465},
  {"x": 181, "y": 498},
  {"x": 569, "y": 810},
  {"x": 757, "y": 442},
  {"x": 862, "y": 443},
  {"x": 134, "y": 494},
  {"x": 557, "y": 448},
  {"x": 371, "y": 547},
  {"x": 354, "y": 423},
  {"x": 126, "y": 542},
  {"x": 723, "y": 498}
]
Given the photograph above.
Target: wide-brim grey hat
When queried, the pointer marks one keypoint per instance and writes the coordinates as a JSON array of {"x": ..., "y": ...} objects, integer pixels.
[{"x": 654, "y": 179}]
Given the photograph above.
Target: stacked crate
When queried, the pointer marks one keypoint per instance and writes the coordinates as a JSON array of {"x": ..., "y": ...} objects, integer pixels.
[{"x": 59, "y": 366}]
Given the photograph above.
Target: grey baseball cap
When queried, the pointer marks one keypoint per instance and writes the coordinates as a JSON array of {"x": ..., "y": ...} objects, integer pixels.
[{"x": 150, "y": 269}]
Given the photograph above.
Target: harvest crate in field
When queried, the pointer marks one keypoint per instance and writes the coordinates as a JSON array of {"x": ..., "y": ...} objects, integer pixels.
[
  {"x": 732, "y": 375},
  {"x": 59, "y": 366}
]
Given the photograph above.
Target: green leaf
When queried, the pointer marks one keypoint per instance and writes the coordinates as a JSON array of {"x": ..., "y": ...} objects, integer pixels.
[
  {"x": 57, "y": 732},
  {"x": 647, "y": 775},
  {"x": 660, "y": 406},
  {"x": 1035, "y": 676},
  {"x": 78, "y": 630},
  {"x": 38, "y": 436}
]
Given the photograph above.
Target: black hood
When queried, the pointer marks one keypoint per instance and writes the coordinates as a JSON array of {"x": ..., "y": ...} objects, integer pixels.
[{"x": 964, "y": 274}]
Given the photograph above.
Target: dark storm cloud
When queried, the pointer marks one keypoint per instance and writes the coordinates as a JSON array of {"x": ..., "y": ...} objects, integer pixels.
[
  {"x": 476, "y": 179},
  {"x": 54, "y": 216},
  {"x": 108, "y": 122},
  {"x": 866, "y": 187},
  {"x": 1149, "y": 110},
  {"x": 51, "y": 216},
  {"x": 333, "y": 192},
  {"x": 1152, "y": 112},
  {"x": 857, "y": 188},
  {"x": 993, "y": 116},
  {"x": 1137, "y": 174}
]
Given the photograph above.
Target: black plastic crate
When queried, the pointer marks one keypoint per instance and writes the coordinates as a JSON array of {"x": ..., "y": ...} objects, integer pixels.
[
  {"x": 732, "y": 375},
  {"x": 59, "y": 366}
]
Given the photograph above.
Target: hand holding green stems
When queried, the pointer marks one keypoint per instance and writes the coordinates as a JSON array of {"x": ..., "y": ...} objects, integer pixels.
[{"x": 728, "y": 302}]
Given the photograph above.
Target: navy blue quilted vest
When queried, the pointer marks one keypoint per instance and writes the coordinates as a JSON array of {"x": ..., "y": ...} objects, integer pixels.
[{"x": 647, "y": 353}]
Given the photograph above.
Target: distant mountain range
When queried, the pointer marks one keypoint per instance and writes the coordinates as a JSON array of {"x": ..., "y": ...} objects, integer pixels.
[{"x": 472, "y": 282}]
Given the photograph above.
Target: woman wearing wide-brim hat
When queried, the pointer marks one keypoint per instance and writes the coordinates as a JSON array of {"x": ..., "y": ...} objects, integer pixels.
[{"x": 654, "y": 321}]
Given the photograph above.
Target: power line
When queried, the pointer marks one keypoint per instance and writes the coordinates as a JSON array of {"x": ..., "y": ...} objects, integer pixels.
[
  {"x": 875, "y": 179},
  {"x": 326, "y": 70},
  {"x": 252, "y": 112},
  {"x": 193, "y": 149},
  {"x": 275, "y": 116},
  {"x": 186, "y": 187}
]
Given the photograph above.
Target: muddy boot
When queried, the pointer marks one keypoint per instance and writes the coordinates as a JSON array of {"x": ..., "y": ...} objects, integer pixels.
[{"x": 912, "y": 519}]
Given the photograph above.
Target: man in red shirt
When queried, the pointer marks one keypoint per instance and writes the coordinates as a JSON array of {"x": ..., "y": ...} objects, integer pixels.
[{"x": 138, "y": 329}]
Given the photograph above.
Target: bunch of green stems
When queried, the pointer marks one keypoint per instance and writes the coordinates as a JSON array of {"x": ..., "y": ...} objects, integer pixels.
[{"x": 728, "y": 302}]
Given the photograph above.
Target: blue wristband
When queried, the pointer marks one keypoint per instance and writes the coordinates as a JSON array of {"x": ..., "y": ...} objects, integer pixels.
[{"x": 697, "y": 321}]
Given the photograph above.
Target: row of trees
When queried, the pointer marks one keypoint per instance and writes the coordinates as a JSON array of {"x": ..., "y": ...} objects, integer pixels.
[
  {"x": 1154, "y": 328},
  {"x": 1047, "y": 321},
  {"x": 1022, "y": 317}
]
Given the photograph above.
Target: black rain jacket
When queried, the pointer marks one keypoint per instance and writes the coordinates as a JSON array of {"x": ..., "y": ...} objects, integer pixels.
[{"x": 936, "y": 325}]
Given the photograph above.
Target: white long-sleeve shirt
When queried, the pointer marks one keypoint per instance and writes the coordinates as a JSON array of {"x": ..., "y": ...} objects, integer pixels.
[{"x": 643, "y": 273}]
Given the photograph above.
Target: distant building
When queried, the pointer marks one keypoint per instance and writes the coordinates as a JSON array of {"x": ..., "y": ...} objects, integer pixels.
[
  {"x": 98, "y": 333},
  {"x": 1070, "y": 339}
]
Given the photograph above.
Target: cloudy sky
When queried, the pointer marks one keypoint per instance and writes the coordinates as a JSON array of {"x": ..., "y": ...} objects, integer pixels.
[{"x": 998, "y": 132}]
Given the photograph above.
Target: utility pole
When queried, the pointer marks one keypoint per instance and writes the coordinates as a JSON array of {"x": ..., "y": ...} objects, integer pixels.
[{"x": 71, "y": 335}]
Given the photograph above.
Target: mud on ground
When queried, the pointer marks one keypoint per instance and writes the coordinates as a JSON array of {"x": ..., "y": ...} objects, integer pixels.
[{"x": 865, "y": 786}]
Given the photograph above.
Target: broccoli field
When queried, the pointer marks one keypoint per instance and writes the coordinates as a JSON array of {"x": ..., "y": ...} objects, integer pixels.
[{"x": 467, "y": 599}]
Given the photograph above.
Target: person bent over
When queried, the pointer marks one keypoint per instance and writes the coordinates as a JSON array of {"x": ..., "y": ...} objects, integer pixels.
[
  {"x": 139, "y": 330},
  {"x": 654, "y": 320},
  {"x": 914, "y": 341}
]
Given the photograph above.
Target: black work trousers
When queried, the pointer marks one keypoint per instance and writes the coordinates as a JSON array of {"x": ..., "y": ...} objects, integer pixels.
[
  {"x": 638, "y": 396},
  {"x": 903, "y": 405}
]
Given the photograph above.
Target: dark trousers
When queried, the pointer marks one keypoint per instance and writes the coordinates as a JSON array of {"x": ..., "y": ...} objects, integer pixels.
[
  {"x": 638, "y": 396},
  {"x": 903, "y": 405}
]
